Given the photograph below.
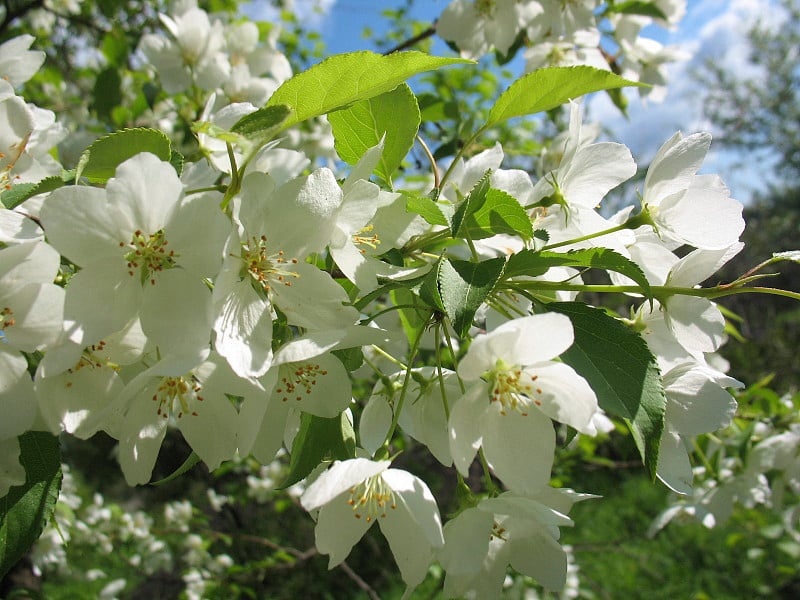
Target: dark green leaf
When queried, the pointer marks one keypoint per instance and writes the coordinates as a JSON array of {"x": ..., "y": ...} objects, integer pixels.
[
  {"x": 319, "y": 440},
  {"x": 25, "y": 510},
  {"x": 500, "y": 213},
  {"x": 263, "y": 124},
  {"x": 622, "y": 371},
  {"x": 470, "y": 204},
  {"x": 106, "y": 94},
  {"x": 533, "y": 264},
  {"x": 464, "y": 286},
  {"x": 190, "y": 461}
]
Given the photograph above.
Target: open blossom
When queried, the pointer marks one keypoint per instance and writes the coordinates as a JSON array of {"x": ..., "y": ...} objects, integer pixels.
[
  {"x": 276, "y": 228},
  {"x": 193, "y": 397},
  {"x": 194, "y": 54},
  {"x": 514, "y": 390},
  {"x": 478, "y": 27},
  {"x": 512, "y": 529},
  {"x": 686, "y": 208},
  {"x": 17, "y": 63},
  {"x": 572, "y": 191},
  {"x": 354, "y": 494}
]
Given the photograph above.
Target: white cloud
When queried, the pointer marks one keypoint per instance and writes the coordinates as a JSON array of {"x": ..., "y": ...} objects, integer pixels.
[{"x": 712, "y": 29}]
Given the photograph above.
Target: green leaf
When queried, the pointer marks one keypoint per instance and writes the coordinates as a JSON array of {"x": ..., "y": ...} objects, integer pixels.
[
  {"x": 106, "y": 93},
  {"x": 361, "y": 126},
  {"x": 25, "y": 510},
  {"x": 638, "y": 7},
  {"x": 346, "y": 78},
  {"x": 464, "y": 286},
  {"x": 190, "y": 461},
  {"x": 318, "y": 440},
  {"x": 22, "y": 191},
  {"x": 414, "y": 318},
  {"x": 99, "y": 161},
  {"x": 473, "y": 201},
  {"x": 429, "y": 289},
  {"x": 548, "y": 88},
  {"x": 533, "y": 264},
  {"x": 352, "y": 358},
  {"x": 428, "y": 209},
  {"x": 499, "y": 213},
  {"x": 264, "y": 123},
  {"x": 622, "y": 371}
]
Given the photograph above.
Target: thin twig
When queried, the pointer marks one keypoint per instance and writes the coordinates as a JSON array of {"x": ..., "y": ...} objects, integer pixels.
[
  {"x": 359, "y": 582},
  {"x": 412, "y": 41}
]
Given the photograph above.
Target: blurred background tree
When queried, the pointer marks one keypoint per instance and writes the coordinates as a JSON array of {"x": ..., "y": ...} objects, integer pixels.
[{"x": 757, "y": 109}]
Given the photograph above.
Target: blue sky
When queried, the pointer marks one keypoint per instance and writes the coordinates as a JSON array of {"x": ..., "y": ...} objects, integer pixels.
[{"x": 711, "y": 28}]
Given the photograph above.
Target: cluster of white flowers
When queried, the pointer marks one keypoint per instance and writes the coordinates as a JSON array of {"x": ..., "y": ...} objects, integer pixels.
[
  {"x": 170, "y": 312},
  {"x": 204, "y": 54},
  {"x": 557, "y": 33},
  {"x": 769, "y": 477}
]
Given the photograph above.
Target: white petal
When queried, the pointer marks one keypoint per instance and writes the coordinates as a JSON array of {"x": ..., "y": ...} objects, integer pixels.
[
  {"x": 12, "y": 472},
  {"x": 17, "y": 399},
  {"x": 465, "y": 418},
  {"x": 244, "y": 329},
  {"x": 144, "y": 191},
  {"x": 212, "y": 431},
  {"x": 314, "y": 300},
  {"x": 565, "y": 396},
  {"x": 79, "y": 225},
  {"x": 696, "y": 323},
  {"x": 520, "y": 449},
  {"x": 674, "y": 469},
  {"x": 696, "y": 404},
  {"x": 176, "y": 311},
  {"x": 541, "y": 557},
  {"x": 466, "y": 541},
  {"x": 594, "y": 171},
  {"x": 419, "y": 502},
  {"x": 674, "y": 165},
  {"x": 342, "y": 476},
  {"x": 320, "y": 386},
  {"x": 338, "y": 529},
  {"x": 408, "y": 540},
  {"x": 376, "y": 418},
  {"x": 143, "y": 432},
  {"x": 199, "y": 250}
]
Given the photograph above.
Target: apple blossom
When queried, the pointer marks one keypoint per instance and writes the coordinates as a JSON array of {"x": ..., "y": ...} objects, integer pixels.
[
  {"x": 140, "y": 253},
  {"x": 514, "y": 389},
  {"x": 354, "y": 494}
]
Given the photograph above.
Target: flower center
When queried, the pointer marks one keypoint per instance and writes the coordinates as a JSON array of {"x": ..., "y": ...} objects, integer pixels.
[
  {"x": 484, "y": 8},
  {"x": 498, "y": 532},
  {"x": 267, "y": 268},
  {"x": 359, "y": 239},
  {"x": 92, "y": 358},
  {"x": 370, "y": 498},
  {"x": 177, "y": 395},
  {"x": 298, "y": 381},
  {"x": 7, "y": 318},
  {"x": 513, "y": 389},
  {"x": 148, "y": 254}
]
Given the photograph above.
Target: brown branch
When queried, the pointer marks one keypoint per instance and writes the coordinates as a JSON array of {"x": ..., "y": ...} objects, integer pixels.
[
  {"x": 412, "y": 41},
  {"x": 359, "y": 582}
]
